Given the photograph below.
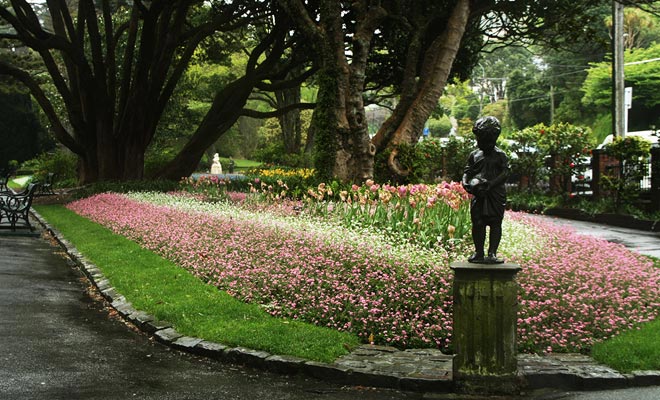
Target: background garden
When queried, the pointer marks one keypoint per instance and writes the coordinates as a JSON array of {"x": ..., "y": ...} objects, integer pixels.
[
  {"x": 343, "y": 214},
  {"x": 371, "y": 261},
  {"x": 533, "y": 81}
]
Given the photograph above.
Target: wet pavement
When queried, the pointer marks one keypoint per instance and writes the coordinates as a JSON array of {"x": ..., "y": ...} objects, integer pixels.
[
  {"x": 63, "y": 340},
  {"x": 643, "y": 242},
  {"x": 60, "y": 340}
]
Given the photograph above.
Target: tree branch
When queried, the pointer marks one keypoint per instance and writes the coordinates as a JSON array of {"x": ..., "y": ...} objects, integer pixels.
[
  {"x": 277, "y": 113},
  {"x": 286, "y": 84},
  {"x": 297, "y": 11},
  {"x": 58, "y": 128},
  {"x": 127, "y": 64},
  {"x": 110, "y": 58}
]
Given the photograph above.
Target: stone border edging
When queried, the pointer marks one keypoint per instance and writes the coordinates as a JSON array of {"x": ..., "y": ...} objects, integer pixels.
[{"x": 365, "y": 366}]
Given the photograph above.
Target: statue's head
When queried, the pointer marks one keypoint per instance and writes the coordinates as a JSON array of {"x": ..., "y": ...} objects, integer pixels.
[{"x": 486, "y": 130}]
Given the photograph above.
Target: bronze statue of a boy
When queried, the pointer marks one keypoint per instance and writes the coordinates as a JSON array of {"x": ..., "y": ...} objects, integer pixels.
[{"x": 484, "y": 177}]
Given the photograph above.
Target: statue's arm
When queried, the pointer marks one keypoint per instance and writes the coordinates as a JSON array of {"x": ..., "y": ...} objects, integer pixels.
[
  {"x": 504, "y": 174},
  {"x": 468, "y": 174}
]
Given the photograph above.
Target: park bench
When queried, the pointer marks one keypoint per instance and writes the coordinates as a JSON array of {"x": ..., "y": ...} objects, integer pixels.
[
  {"x": 46, "y": 187},
  {"x": 15, "y": 207},
  {"x": 4, "y": 180}
]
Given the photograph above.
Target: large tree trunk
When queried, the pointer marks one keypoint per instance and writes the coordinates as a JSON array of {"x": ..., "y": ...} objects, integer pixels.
[
  {"x": 290, "y": 123},
  {"x": 343, "y": 147},
  {"x": 418, "y": 100},
  {"x": 113, "y": 101}
]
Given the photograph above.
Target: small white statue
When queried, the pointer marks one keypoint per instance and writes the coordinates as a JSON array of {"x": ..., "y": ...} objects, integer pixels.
[{"x": 216, "y": 167}]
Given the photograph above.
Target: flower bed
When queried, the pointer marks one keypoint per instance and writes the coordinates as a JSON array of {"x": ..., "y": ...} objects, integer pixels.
[
  {"x": 294, "y": 267},
  {"x": 574, "y": 289}
]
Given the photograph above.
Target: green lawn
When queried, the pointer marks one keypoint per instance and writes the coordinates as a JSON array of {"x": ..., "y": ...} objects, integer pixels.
[
  {"x": 241, "y": 164},
  {"x": 19, "y": 182},
  {"x": 170, "y": 293},
  {"x": 632, "y": 350}
]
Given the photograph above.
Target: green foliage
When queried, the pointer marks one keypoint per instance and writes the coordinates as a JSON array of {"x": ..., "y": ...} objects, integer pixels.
[
  {"x": 633, "y": 152},
  {"x": 540, "y": 202},
  {"x": 428, "y": 161},
  {"x": 154, "y": 160},
  {"x": 456, "y": 152},
  {"x": 324, "y": 124},
  {"x": 498, "y": 110},
  {"x": 644, "y": 77},
  {"x": 566, "y": 145},
  {"x": 528, "y": 100},
  {"x": 60, "y": 162},
  {"x": 529, "y": 159},
  {"x": 382, "y": 172},
  {"x": 271, "y": 149},
  {"x": 465, "y": 127},
  {"x": 231, "y": 142},
  {"x": 460, "y": 101},
  {"x": 429, "y": 156},
  {"x": 532, "y": 201},
  {"x": 560, "y": 147},
  {"x": 21, "y": 135},
  {"x": 439, "y": 127},
  {"x": 602, "y": 127}
]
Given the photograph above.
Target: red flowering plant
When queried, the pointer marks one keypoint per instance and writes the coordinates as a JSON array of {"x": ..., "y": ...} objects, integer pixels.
[{"x": 567, "y": 147}]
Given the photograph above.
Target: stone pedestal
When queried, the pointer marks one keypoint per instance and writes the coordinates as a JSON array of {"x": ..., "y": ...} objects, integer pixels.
[{"x": 485, "y": 321}]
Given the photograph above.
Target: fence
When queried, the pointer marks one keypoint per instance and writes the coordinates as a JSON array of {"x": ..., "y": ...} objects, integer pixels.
[{"x": 649, "y": 185}]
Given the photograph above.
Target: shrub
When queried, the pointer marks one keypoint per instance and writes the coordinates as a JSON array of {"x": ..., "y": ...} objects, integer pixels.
[
  {"x": 529, "y": 160},
  {"x": 155, "y": 160},
  {"x": 440, "y": 127},
  {"x": 456, "y": 152},
  {"x": 566, "y": 145},
  {"x": 60, "y": 162},
  {"x": 430, "y": 160},
  {"x": 556, "y": 152}
]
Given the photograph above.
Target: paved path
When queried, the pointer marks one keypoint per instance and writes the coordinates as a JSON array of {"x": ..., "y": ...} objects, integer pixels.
[
  {"x": 643, "y": 242},
  {"x": 60, "y": 343}
]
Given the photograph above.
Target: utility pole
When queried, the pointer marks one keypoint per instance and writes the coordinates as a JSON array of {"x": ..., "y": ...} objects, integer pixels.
[
  {"x": 618, "y": 81},
  {"x": 552, "y": 104}
]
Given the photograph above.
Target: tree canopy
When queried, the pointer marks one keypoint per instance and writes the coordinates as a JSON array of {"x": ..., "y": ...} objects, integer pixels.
[{"x": 113, "y": 68}]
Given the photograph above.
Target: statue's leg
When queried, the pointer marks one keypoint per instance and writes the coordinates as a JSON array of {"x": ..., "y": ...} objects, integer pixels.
[
  {"x": 479, "y": 238},
  {"x": 495, "y": 237}
]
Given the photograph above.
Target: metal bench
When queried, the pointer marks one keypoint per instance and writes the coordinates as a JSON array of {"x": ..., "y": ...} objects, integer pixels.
[
  {"x": 46, "y": 187},
  {"x": 15, "y": 208},
  {"x": 4, "y": 180}
]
